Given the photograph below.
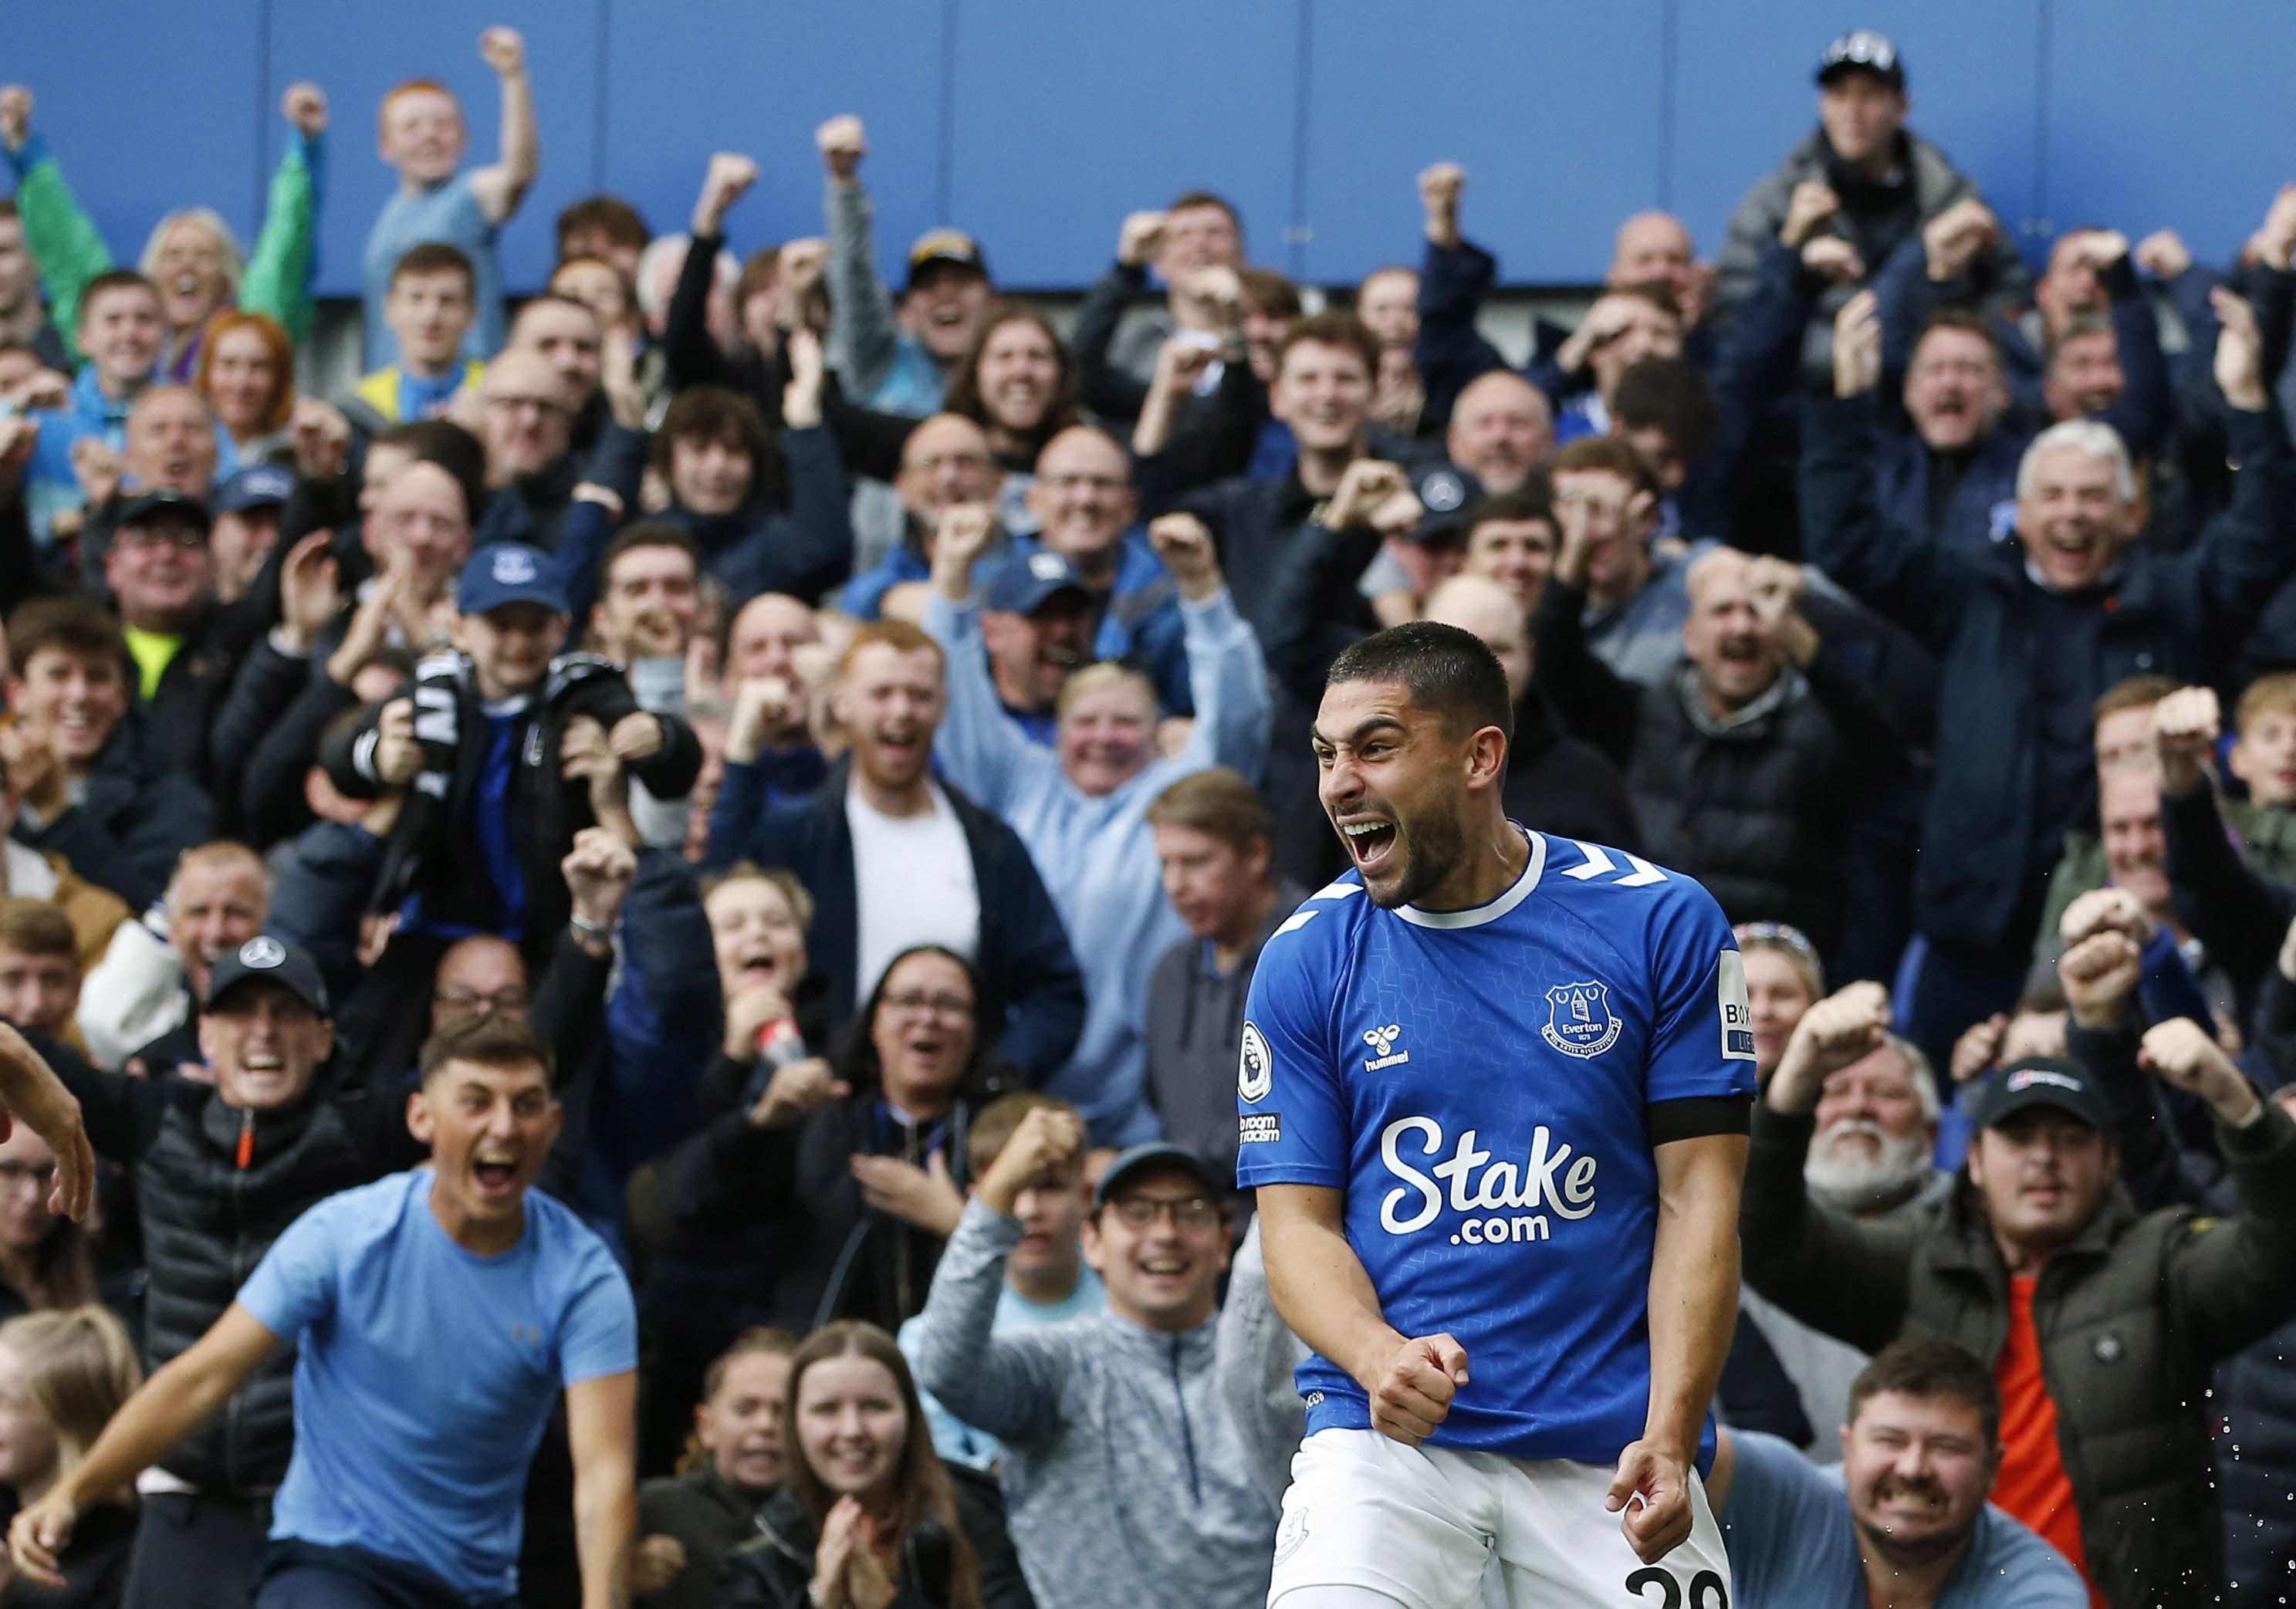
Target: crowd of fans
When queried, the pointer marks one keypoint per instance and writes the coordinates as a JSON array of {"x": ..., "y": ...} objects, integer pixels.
[{"x": 850, "y": 740}]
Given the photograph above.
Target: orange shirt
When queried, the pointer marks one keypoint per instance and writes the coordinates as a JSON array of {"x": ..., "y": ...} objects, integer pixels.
[{"x": 2033, "y": 1486}]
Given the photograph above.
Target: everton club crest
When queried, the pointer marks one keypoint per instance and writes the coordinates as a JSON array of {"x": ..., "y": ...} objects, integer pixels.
[{"x": 1580, "y": 1020}]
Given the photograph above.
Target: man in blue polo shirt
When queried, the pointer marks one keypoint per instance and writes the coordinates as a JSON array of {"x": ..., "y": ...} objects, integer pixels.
[
  {"x": 1902, "y": 1518},
  {"x": 439, "y": 1314}
]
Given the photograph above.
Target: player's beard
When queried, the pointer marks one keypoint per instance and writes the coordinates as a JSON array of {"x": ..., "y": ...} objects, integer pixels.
[{"x": 1426, "y": 851}]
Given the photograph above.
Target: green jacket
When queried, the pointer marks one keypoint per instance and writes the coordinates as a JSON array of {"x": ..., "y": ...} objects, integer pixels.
[
  {"x": 710, "y": 1516},
  {"x": 2130, "y": 1317},
  {"x": 69, "y": 251}
]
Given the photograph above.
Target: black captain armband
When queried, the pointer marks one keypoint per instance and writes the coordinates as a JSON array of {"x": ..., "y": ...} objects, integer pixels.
[{"x": 1694, "y": 1117}]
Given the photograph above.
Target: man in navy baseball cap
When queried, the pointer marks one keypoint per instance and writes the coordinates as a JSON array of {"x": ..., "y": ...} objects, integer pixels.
[
  {"x": 247, "y": 525},
  {"x": 1037, "y": 623}
]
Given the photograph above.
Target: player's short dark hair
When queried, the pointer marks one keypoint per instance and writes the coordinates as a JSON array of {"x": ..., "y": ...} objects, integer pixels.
[
  {"x": 486, "y": 1040},
  {"x": 1925, "y": 1367},
  {"x": 607, "y": 215},
  {"x": 435, "y": 256},
  {"x": 1445, "y": 670}
]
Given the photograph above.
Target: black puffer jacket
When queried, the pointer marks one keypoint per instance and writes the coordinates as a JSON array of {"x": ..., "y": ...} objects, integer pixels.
[
  {"x": 208, "y": 1222},
  {"x": 1755, "y": 807},
  {"x": 775, "y": 1570}
]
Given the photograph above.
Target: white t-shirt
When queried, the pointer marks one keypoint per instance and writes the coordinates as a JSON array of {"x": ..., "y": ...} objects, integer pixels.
[{"x": 913, "y": 875}]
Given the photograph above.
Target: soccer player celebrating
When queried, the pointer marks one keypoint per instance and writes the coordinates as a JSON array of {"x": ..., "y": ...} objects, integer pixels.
[{"x": 1494, "y": 1095}]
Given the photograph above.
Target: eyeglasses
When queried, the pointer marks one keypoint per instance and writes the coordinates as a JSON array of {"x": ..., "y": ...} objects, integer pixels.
[
  {"x": 1193, "y": 1213},
  {"x": 502, "y": 1002},
  {"x": 189, "y": 538},
  {"x": 16, "y": 1176},
  {"x": 934, "y": 461},
  {"x": 947, "y": 1006},
  {"x": 1089, "y": 483}
]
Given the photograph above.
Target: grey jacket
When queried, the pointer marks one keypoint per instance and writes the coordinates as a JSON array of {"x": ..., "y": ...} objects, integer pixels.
[
  {"x": 1125, "y": 1480},
  {"x": 1876, "y": 219}
]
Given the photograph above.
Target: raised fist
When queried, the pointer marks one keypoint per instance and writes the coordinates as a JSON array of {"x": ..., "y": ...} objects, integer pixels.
[
  {"x": 1185, "y": 546},
  {"x": 2239, "y": 365},
  {"x": 1831, "y": 1035},
  {"x": 2163, "y": 254},
  {"x": 842, "y": 144},
  {"x": 1811, "y": 204},
  {"x": 2186, "y": 726},
  {"x": 1138, "y": 240},
  {"x": 1830, "y": 257},
  {"x": 305, "y": 106},
  {"x": 15, "y": 116},
  {"x": 1954, "y": 236},
  {"x": 730, "y": 175},
  {"x": 1856, "y": 346},
  {"x": 1439, "y": 188},
  {"x": 503, "y": 50}
]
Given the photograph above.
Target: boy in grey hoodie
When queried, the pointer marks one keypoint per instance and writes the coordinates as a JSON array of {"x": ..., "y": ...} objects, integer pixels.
[{"x": 1125, "y": 1479}]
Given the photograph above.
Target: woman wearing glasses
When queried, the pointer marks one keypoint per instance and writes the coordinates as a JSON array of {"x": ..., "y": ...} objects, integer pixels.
[{"x": 845, "y": 1176}]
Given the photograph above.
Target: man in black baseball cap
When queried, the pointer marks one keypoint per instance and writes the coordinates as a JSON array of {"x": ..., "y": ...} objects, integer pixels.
[
  {"x": 1863, "y": 176},
  {"x": 1036, "y": 622},
  {"x": 266, "y": 1025},
  {"x": 1862, "y": 50}
]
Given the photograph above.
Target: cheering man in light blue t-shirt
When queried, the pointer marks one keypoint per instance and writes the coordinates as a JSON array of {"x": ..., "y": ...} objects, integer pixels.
[{"x": 438, "y": 1314}]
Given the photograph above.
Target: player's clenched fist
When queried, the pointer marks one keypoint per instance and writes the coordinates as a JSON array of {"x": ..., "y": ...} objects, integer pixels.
[
  {"x": 1411, "y": 1389},
  {"x": 1661, "y": 1521}
]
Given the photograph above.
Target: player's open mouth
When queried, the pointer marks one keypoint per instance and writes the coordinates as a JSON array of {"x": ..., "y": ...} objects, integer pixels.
[
  {"x": 1371, "y": 842},
  {"x": 495, "y": 1179}
]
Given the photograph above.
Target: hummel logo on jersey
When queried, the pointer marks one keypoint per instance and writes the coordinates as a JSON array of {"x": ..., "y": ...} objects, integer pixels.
[
  {"x": 1580, "y": 1022},
  {"x": 1381, "y": 1041}
]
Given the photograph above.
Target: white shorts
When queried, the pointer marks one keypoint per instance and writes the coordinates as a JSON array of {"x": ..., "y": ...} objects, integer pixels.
[{"x": 1421, "y": 1524}]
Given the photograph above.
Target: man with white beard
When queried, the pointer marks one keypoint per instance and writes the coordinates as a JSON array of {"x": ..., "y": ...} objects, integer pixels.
[{"x": 1874, "y": 1156}]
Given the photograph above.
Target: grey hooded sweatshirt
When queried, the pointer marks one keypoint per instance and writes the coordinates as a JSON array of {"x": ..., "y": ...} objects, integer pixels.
[{"x": 1126, "y": 1482}]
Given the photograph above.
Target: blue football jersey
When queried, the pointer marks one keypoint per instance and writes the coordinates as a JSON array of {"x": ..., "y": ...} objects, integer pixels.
[{"x": 1477, "y": 1082}]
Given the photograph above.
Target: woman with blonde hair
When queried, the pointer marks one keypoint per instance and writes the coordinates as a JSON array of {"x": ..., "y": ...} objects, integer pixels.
[{"x": 62, "y": 1375}]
